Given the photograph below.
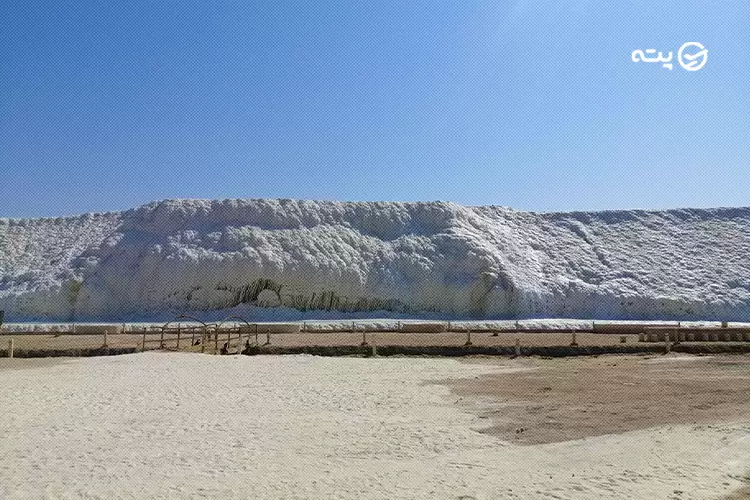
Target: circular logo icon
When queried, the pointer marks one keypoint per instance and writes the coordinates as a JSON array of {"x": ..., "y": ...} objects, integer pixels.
[{"x": 689, "y": 58}]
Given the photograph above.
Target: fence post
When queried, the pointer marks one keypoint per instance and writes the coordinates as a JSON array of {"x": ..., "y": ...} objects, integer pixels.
[
  {"x": 143, "y": 343},
  {"x": 105, "y": 338},
  {"x": 574, "y": 343},
  {"x": 518, "y": 347},
  {"x": 10, "y": 348},
  {"x": 667, "y": 347},
  {"x": 468, "y": 336},
  {"x": 179, "y": 334},
  {"x": 203, "y": 339},
  {"x": 364, "y": 337},
  {"x": 268, "y": 336},
  {"x": 216, "y": 342},
  {"x": 161, "y": 344}
]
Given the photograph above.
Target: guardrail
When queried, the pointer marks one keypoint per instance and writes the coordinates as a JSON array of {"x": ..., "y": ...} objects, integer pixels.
[
  {"x": 234, "y": 338},
  {"x": 695, "y": 334}
]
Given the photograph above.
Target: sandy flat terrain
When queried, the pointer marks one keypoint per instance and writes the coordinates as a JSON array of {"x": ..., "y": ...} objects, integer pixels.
[{"x": 178, "y": 425}]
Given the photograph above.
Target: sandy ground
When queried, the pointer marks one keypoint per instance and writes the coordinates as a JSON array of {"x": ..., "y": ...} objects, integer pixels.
[
  {"x": 741, "y": 494},
  {"x": 179, "y": 425}
]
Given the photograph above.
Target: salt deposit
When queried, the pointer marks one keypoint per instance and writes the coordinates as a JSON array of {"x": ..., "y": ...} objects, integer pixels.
[
  {"x": 159, "y": 425},
  {"x": 288, "y": 260}
]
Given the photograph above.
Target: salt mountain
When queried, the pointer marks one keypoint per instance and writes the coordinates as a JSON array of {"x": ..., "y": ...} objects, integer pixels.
[{"x": 306, "y": 259}]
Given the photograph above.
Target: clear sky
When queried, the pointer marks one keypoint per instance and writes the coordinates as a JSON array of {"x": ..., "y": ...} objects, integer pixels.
[{"x": 531, "y": 104}]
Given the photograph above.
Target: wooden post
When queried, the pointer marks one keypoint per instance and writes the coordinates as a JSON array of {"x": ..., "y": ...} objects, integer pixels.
[
  {"x": 468, "y": 336},
  {"x": 229, "y": 339},
  {"x": 573, "y": 343},
  {"x": 268, "y": 337},
  {"x": 364, "y": 337},
  {"x": 216, "y": 342},
  {"x": 518, "y": 347},
  {"x": 10, "y": 348},
  {"x": 105, "y": 338},
  {"x": 179, "y": 334},
  {"x": 161, "y": 344},
  {"x": 399, "y": 326},
  {"x": 667, "y": 346},
  {"x": 143, "y": 343},
  {"x": 203, "y": 339},
  {"x": 374, "y": 350},
  {"x": 256, "y": 334}
]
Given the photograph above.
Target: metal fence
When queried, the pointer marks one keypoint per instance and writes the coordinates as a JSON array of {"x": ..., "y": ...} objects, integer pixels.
[{"x": 235, "y": 334}]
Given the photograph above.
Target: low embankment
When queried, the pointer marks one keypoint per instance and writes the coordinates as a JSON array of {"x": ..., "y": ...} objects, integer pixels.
[
  {"x": 478, "y": 350},
  {"x": 68, "y": 353}
]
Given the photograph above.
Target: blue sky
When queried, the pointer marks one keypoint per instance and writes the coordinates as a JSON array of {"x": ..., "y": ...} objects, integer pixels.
[{"x": 531, "y": 104}]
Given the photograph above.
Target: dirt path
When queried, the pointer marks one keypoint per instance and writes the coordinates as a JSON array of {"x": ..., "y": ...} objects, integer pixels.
[
  {"x": 51, "y": 341},
  {"x": 556, "y": 400}
]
